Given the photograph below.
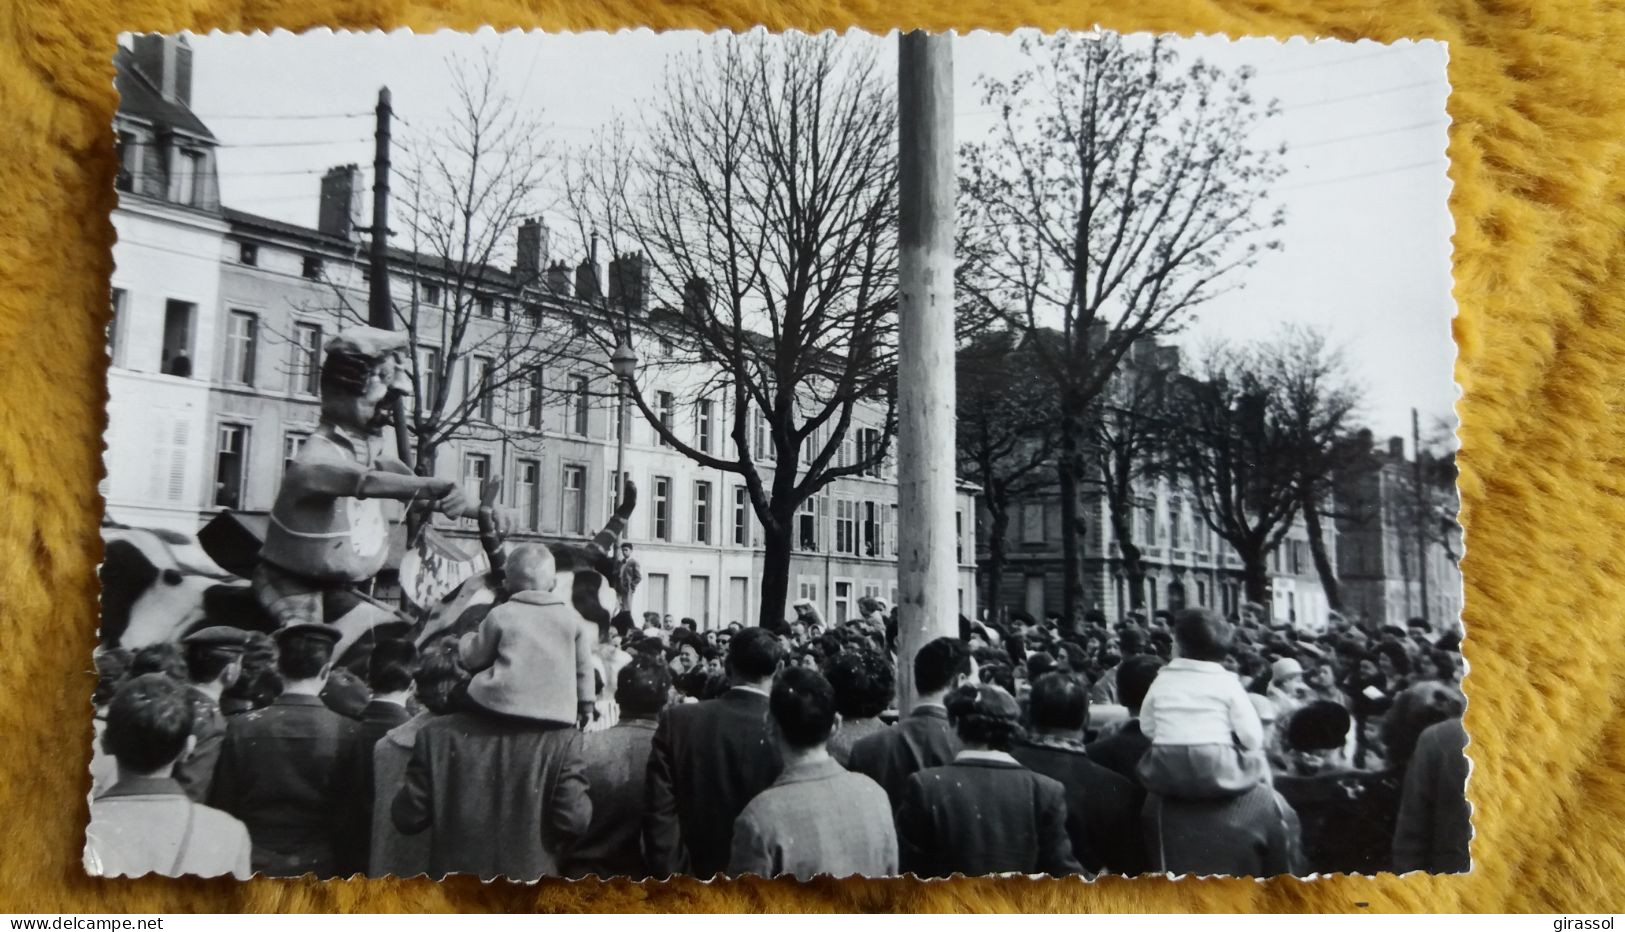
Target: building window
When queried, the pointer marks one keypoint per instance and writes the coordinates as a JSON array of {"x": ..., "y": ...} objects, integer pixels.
[
  {"x": 578, "y": 405},
  {"x": 869, "y": 446},
  {"x": 129, "y": 160},
  {"x": 293, "y": 442},
  {"x": 428, "y": 377},
  {"x": 893, "y": 532},
  {"x": 659, "y": 589},
  {"x": 1032, "y": 524},
  {"x": 660, "y": 515},
  {"x": 573, "y": 512},
  {"x": 702, "y": 512},
  {"x": 477, "y": 378},
  {"x": 524, "y": 493},
  {"x": 486, "y": 306},
  {"x": 702, "y": 424},
  {"x": 699, "y": 600},
  {"x": 846, "y": 526},
  {"x": 807, "y": 588},
  {"x": 807, "y": 526},
  {"x": 871, "y": 529},
  {"x": 248, "y": 253},
  {"x": 533, "y": 398},
  {"x": 764, "y": 441},
  {"x": 177, "y": 350},
  {"x": 741, "y": 516},
  {"x": 311, "y": 268},
  {"x": 119, "y": 298},
  {"x": 843, "y": 601},
  {"x": 431, "y": 294},
  {"x": 305, "y": 369},
  {"x": 476, "y": 469},
  {"x": 663, "y": 412},
  {"x": 533, "y": 316},
  {"x": 190, "y": 178},
  {"x": 242, "y": 338},
  {"x": 959, "y": 536},
  {"x": 231, "y": 466}
]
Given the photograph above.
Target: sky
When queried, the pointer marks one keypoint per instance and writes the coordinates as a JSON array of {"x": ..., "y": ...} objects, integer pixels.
[{"x": 1366, "y": 241}]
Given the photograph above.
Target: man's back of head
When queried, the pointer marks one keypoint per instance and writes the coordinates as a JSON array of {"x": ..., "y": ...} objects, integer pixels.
[
  {"x": 938, "y": 663},
  {"x": 803, "y": 707},
  {"x": 754, "y": 655},
  {"x": 642, "y": 688},
  {"x": 149, "y": 724}
]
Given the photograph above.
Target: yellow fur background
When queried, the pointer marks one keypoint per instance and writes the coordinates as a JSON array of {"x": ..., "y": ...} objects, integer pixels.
[{"x": 1539, "y": 205}]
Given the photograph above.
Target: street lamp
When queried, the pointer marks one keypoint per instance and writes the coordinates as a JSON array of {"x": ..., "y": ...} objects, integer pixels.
[{"x": 624, "y": 363}]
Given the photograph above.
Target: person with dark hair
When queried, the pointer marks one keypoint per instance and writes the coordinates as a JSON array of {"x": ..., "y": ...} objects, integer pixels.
[
  {"x": 146, "y": 823},
  {"x": 281, "y": 767},
  {"x": 1347, "y": 815},
  {"x": 816, "y": 818},
  {"x": 864, "y": 687},
  {"x": 1102, "y": 807},
  {"x": 389, "y": 679},
  {"x": 437, "y": 677},
  {"x": 164, "y": 657},
  {"x": 1121, "y": 750},
  {"x": 259, "y": 684},
  {"x": 616, "y": 763},
  {"x": 984, "y": 813},
  {"x": 923, "y": 738},
  {"x": 708, "y": 760},
  {"x": 214, "y": 661},
  {"x": 1206, "y": 737}
]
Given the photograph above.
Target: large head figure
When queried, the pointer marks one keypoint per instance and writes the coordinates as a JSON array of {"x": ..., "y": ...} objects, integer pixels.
[{"x": 363, "y": 371}]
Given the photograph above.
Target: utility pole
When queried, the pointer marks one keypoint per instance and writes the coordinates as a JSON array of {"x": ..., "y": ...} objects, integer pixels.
[
  {"x": 1421, "y": 510},
  {"x": 927, "y": 571},
  {"x": 380, "y": 312}
]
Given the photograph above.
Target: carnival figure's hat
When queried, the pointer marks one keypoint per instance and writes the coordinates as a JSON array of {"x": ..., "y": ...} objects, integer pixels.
[
  {"x": 218, "y": 637},
  {"x": 367, "y": 342}
]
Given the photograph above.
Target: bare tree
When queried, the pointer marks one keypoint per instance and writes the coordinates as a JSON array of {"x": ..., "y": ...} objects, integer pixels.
[
  {"x": 763, "y": 196},
  {"x": 1122, "y": 191},
  {"x": 1314, "y": 401},
  {"x": 1127, "y": 440},
  {"x": 1235, "y": 457},
  {"x": 1005, "y": 435}
]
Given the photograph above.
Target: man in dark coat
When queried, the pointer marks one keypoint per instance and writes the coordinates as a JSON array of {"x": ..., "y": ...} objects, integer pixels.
[
  {"x": 504, "y": 796},
  {"x": 389, "y": 681},
  {"x": 708, "y": 760},
  {"x": 923, "y": 738},
  {"x": 1347, "y": 815},
  {"x": 282, "y": 767},
  {"x": 617, "y": 762},
  {"x": 214, "y": 661},
  {"x": 1121, "y": 750},
  {"x": 984, "y": 813},
  {"x": 1102, "y": 807},
  {"x": 1435, "y": 825}
]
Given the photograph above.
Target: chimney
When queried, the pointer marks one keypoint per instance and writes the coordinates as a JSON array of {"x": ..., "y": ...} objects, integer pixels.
[
  {"x": 532, "y": 255},
  {"x": 166, "y": 61},
  {"x": 1396, "y": 448},
  {"x": 558, "y": 278},
  {"x": 587, "y": 280},
  {"x": 341, "y": 201},
  {"x": 696, "y": 297},
  {"x": 629, "y": 283}
]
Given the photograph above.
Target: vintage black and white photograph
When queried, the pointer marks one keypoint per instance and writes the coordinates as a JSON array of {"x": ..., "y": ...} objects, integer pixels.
[{"x": 652, "y": 454}]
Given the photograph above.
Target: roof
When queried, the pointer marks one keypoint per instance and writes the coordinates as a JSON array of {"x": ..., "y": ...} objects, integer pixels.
[
  {"x": 240, "y": 218},
  {"x": 139, "y": 97}
]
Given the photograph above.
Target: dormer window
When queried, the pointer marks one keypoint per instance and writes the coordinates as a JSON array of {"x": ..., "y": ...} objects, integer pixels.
[
  {"x": 431, "y": 294},
  {"x": 248, "y": 254}
]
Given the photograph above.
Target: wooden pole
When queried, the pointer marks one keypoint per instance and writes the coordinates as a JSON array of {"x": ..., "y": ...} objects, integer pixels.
[
  {"x": 1421, "y": 511},
  {"x": 380, "y": 312},
  {"x": 927, "y": 571}
]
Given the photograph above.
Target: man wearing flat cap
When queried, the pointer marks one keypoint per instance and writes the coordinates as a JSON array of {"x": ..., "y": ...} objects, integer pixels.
[
  {"x": 214, "y": 661},
  {"x": 282, "y": 768},
  {"x": 327, "y": 529}
]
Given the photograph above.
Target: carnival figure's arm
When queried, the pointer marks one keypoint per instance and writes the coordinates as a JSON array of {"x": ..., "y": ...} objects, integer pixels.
[
  {"x": 603, "y": 542},
  {"x": 353, "y": 479}
]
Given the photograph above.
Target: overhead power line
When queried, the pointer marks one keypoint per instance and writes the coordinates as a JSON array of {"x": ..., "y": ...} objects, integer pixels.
[
  {"x": 1371, "y": 135},
  {"x": 1431, "y": 163}
]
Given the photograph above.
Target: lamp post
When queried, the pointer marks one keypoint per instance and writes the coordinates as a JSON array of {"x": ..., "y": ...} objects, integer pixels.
[{"x": 624, "y": 363}]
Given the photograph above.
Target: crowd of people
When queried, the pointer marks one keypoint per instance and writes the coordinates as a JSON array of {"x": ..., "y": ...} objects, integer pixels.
[{"x": 1182, "y": 742}]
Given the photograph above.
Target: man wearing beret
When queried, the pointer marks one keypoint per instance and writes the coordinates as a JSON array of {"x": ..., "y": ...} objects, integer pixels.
[
  {"x": 327, "y": 529},
  {"x": 214, "y": 661},
  {"x": 282, "y": 768}
]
